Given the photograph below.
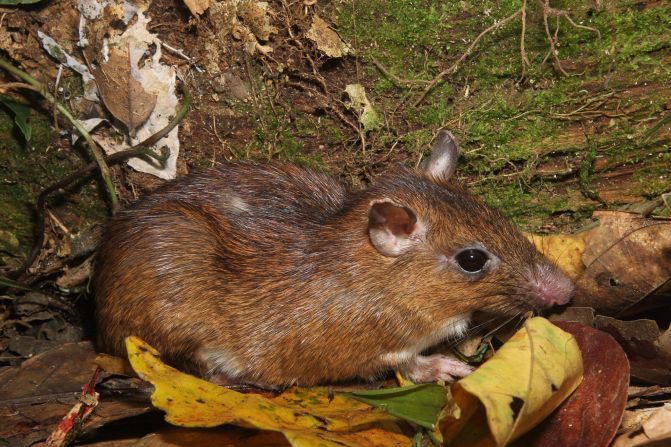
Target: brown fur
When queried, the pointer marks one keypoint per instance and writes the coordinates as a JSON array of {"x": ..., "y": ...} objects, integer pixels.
[{"x": 273, "y": 264}]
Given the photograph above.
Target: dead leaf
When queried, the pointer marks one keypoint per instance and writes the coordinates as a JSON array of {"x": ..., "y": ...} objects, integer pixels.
[
  {"x": 633, "y": 419},
  {"x": 627, "y": 257},
  {"x": 197, "y": 7},
  {"x": 76, "y": 275},
  {"x": 656, "y": 431},
  {"x": 304, "y": 416},
  {"x": 327, "y": 40},
  {"x": 617, "y": 264},
  {"x": 142, "y": 52},
  {"x": 640, "y": 339},
  {"x": 122, "y": 94},
  {"x": 592, "y": 415},
  {"x": 114, "y": 365},
  {"x": 368, "y": 116},
  {"x": 36, "y": 395},
  {"x": 254, "y": 15},
  {"x": 527, "y": 378},
  {"x": 582, "y": 315},
  {"x": 566, "y": 250}
]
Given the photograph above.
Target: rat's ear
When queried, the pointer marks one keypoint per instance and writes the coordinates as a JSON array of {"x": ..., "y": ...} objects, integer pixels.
[
  {"x": 393, "y": 228},
  {"x": 444, "y": 155}
]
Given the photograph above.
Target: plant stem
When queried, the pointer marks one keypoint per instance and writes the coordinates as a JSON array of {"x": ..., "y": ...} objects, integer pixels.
[{"x": 95, "y": 150}]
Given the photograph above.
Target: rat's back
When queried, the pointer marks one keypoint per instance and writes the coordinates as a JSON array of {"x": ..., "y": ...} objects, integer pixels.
[{"x": 186, "y": 253}]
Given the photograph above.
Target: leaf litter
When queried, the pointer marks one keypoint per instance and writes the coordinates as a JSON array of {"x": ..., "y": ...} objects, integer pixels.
[
  {"x": 138, "y": 90},
  {"x": 582, "y": 267},
  {"x": 548, "y": 358}
]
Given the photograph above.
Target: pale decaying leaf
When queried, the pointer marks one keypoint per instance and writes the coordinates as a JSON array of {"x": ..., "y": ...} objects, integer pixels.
[
  {"x": 197, "y": 7},
  {"x": 527, "y": 379},
  {"x": 254, "y": 14},
  {"x": 368, "y": 116},
  {"x": 123, "y": 95},
  {"x": 56, "y": 51},
  {"x": 326, "y": 39},
  {"x": 305, "y": 416},
  {"x": 156, "y": 79},
  {"x": 656, "y": 430},
  {"x": 75, "y": 276}
]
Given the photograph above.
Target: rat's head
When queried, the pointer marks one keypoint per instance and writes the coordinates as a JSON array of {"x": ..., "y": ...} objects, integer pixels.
[{"x": 449, "y": 244}]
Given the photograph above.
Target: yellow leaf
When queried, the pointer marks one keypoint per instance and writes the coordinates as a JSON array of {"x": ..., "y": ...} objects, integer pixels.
[
  {"x": 566, "y": 250},
  {"x": 114, "y": 365},
  {"x": 527, "y": 379},
  {"x": 306, "y": 417}
]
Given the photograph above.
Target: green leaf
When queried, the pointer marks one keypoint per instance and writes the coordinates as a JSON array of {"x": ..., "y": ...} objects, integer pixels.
[
  {"x": 654, "y": 129},
  {"x": 18, "y": 2},
  {"x": 6, "y": 282},
  {"x": 420, "y": 404},
  {"x": 21, "y": 113}
]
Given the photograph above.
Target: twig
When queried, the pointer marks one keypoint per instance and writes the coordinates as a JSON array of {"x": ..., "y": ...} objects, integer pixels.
[
  {"x": 356, "y": 45},
  {"x": 567, "y": 16},
  {"x": 548, "y": 12},
  {"x": 398, "y": 81},
  {"x": 56, "y": 84},
  {"x": 299, "y": 44},
  {"x": 318, "y": 78},
  {"x": 463, "y": 57},
  {"x": 95, "y": 150},
  {"x": 523, "y": 53},
  {"x": 551, "y": 40},
  {"x": 17, "y": 85}
]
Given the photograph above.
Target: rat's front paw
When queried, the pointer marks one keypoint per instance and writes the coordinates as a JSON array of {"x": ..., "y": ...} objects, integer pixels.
[{"x": 436, "y": 367}]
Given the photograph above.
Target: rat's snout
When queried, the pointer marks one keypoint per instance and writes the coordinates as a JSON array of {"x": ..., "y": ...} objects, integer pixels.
[{"x": 551, "y": 286}]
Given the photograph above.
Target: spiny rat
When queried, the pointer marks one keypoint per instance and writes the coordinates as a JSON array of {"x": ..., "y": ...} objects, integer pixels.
[{"x": 273, "y": 274}]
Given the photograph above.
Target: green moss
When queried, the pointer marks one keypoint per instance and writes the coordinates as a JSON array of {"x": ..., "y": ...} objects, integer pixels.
[
  {"x": 26, "y": 170},
  {"x": 278, "y": 138},
  {"x": 508, "y": 130}
]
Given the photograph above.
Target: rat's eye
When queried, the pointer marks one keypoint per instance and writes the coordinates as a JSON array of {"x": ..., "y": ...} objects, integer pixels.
[{"x": 472, "y": 260}]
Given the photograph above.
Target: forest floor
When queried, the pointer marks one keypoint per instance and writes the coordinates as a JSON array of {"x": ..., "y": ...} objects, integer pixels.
[{"x": 561, "y": 109}]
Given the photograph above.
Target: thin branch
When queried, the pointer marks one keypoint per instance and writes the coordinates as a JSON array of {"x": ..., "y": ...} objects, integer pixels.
[
  {"x": 463, "y": 57},
  {"x": 551, "y": 40},
  {"x": 398, "y": 81},
  {"x": 523, "y": 53},
  {"x": 567, "y": 16}
]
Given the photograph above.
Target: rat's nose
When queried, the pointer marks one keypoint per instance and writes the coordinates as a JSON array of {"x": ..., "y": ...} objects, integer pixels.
[{"x": 551, "y": 286}]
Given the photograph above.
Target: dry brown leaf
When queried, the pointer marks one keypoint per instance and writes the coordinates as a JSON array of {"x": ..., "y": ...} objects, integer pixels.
[
  {"x": 640, "y": 339},
  {"x": 75, "y": 276},
  {"x": 616, "y": 264},
  {"x": 122, "y": 94},
  {"x": 255, "y": 16},
  {"x": 35, "y": 396},
  {"x": 626, "y": 259},
  {"x": 197, "y": 7}
]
